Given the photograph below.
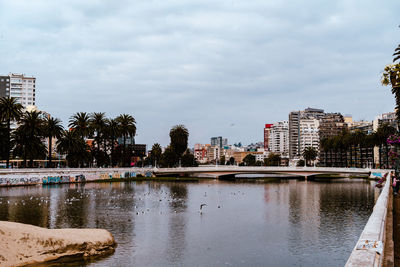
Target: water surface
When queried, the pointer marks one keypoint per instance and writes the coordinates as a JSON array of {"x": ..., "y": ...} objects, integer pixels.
[{"x": 280, "y": 223}]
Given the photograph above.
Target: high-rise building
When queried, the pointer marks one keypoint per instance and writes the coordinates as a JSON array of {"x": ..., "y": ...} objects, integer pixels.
[
  {"x": 267, "y": 133},
  {"x": 219, "y": 141},
  {"x": 19, "y": 86},
  {"x": 294, "y": 128},
  {"x": 4, "y": 86},
  {"x": 279, "y": 138},
  {"x": 309, "y": 134},
  {"x": 331, "y": 124}
]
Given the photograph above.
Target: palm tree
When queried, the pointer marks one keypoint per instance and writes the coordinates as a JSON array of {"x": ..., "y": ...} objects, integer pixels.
[
  {"x": 3, "y": 140},
  {"x": 113, "y": 132},
  {"x": 75, "y": 148},
  {"x": 309, "y": 154},
  {"x": 52, "y": 128},
  {"x": 128, "y": 129},
  {"x": 80, "y": 123},
  {"x": 10, "y": 111},
  {"x": 31, "y": 125},
  {"x": 383, "y": 132},
  {"x": 391, "y": 76},
  {"x": 156, "y": 152},
  {"x": 179, "y": 135},
  {"x": 98, "y": 125}
]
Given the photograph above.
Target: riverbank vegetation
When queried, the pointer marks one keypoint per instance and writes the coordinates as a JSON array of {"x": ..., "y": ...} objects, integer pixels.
[{"x": 91, "y": 139}]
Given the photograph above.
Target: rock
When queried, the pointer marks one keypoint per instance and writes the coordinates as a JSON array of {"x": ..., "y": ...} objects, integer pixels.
[{"x": 22, "y": 244}]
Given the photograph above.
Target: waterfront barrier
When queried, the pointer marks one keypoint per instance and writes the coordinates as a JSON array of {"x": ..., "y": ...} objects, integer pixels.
[
  {"x": 17, "y": 177},
  {"x": 370, "y": 248}
]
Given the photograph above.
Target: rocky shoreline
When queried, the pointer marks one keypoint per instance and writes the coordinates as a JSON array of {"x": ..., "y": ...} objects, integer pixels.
[{"x": 23, "y": 244}]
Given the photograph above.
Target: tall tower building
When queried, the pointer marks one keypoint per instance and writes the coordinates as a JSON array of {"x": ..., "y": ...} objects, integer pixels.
[
  {"x": 295, "y": 117},
  {"x": 267, "y": 133},
  {"x": 4, "y": 86},
  {"x": 23, "y": 88},
  {"x": 279, "y": 138}
]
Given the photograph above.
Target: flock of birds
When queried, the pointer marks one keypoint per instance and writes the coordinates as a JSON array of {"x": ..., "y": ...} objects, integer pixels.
[{"x": 112, "y": 199}]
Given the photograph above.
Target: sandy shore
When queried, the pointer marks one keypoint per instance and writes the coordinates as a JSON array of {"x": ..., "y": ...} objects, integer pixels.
[{"x": 22, "y": 244}]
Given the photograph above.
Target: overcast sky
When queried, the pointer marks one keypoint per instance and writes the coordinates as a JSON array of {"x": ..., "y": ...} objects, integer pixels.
[{"x": 221, "y": 68}]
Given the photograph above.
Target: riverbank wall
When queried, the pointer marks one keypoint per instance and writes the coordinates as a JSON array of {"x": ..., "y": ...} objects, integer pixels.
[
  {"x": 375, "y": 245},
  {"x": 22, "y": 177}
]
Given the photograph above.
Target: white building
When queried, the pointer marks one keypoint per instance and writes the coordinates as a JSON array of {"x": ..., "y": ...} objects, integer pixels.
[
  {"x": 279, "y": 138},
  {"x": 309, "y": 134},
  {"x": 23, "y": 89}
]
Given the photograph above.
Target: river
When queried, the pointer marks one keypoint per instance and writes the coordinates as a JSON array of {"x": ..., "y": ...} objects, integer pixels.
[{"x": 257, "y": 223}]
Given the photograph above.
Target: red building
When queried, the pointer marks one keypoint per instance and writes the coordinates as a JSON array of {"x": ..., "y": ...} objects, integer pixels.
[{"x": 267, "y": 132}]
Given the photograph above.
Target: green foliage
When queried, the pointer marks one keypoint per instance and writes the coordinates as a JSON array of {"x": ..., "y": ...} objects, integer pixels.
[
  {"x": 28, "y": 137},
  {"x": 156, "y": 153},
  {"x": 10, "y": 111},
  {"x": 258, "y": 163},
  {"x": 310, "y": 154},
  {"x": 75, "y": 147},
  {"x": 52, "y": 128},
  {"x": 273, "y": 160},
  {"x": 179, "y": 135},
  {"x": 168, "y": 158},
  {"x": 249, "y": 160},
  {"x": 222, "y": 160},
  {"x": 80, "y": 123},
  {"x": 300, "y": 163},
  {"x": 188, "y": 160}
]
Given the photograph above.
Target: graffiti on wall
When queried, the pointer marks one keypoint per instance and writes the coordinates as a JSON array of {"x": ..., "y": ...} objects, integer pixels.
[
  {"x": 19, "y": 180},
  {"x": 63, "y": 179}
]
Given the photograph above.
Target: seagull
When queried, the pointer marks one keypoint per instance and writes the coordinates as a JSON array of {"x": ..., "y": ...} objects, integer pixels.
[{"x": 201, "y": 208}]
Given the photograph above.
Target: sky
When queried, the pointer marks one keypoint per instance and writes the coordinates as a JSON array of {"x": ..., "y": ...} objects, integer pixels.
[{"x": 221, "y": 68}]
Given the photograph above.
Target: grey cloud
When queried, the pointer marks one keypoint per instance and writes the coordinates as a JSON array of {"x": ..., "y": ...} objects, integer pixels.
[{"x": 203, "y": 63}]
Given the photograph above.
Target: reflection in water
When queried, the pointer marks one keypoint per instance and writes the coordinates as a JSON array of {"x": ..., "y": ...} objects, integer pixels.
[
  {"x": 177, "y": 223},
  {"x": 288, "y": 222}
]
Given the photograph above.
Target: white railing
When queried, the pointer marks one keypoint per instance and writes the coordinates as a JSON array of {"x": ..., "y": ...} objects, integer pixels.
[{"x": 374, "y": 232}]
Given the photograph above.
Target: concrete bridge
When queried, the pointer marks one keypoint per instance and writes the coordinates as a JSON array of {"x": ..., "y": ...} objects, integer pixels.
[{"x": 231, "y": 171}]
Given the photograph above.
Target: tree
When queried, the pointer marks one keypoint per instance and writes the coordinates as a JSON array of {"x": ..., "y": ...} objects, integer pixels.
[
  {"x": 112, "y": 131},
  {"x": 300, "y": 163},
  {"x": 52, "y": 128},
  {"x": 10, "y": 111},
  {"x": 222, "y": 160},
  {"x": 383, "y": 132},
  {"x": 231, "y": 161},
  {"x": 80, "y": 123},
  {"x": 310, "y": 154},
  {"x": 391, "y": 76},
  {"x": 75, "y": 148},
  {"x": 156, "y": 153},
  {"x": 188, "y": 159},
  {"x": 3, "y": 140},
  {"x": 179, "y": 135},
  {"x": 168, "y": 158},
  {"x": 249, "y": 160},
  {"x": 272, "y": 160},
  {"x": 98, "y": 124},
  {"x": 127, "y": 129}
]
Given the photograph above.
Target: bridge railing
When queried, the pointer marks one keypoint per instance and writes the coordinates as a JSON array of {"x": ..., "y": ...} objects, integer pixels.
[{"x": 266, "y": 168}]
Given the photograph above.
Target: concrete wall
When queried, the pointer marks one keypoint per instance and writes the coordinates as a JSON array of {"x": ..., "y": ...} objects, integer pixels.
[{"x": 375, "y": 230}]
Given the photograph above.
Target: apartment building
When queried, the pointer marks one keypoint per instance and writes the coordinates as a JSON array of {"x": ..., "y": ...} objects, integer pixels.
[
  {"x": 267, "y": 133},
  {"x": 295, "y": 117},
  {"x": 279, "y": 138},
  {"x": 23, "y": 88},
  {"x": 309, "y": 134},
  {"x": 219, "y": 141}
]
